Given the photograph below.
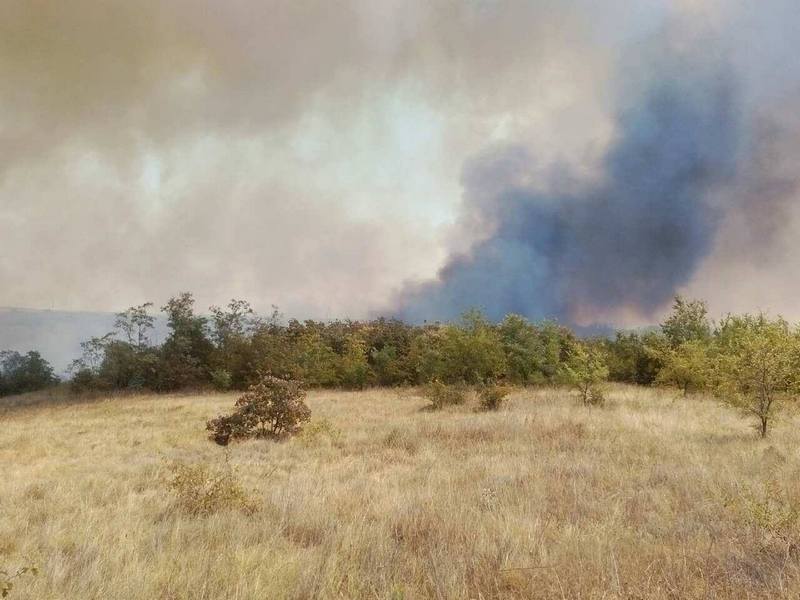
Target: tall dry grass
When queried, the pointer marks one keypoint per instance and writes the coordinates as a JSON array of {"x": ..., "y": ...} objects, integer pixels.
[{"x": 653, "y": 496}]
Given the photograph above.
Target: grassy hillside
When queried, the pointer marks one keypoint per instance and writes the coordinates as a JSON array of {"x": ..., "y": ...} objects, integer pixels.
[{"x": 653, "y": 496}]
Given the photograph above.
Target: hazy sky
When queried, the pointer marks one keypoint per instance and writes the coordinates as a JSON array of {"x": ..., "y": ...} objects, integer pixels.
[{"x": 311, "y": 154}]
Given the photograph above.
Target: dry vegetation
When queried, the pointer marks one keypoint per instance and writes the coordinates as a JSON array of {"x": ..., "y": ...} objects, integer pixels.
[{"x": 652, "y": 496}]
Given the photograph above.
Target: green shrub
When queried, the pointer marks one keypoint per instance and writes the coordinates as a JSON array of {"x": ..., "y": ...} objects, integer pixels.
[
  {"x": 441, "y": 394},
  {"x": 492, "y": 396},
  {"x": 271, "y": 408}
]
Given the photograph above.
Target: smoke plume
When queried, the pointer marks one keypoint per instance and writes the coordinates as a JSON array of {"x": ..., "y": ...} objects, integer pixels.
[{"x": 686, "y": 161}]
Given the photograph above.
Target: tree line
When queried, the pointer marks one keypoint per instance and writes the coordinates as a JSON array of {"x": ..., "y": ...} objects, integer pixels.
[{"x": 752, "y": 361}]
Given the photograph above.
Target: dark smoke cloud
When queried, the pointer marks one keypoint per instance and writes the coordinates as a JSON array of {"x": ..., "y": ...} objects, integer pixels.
[{"x": 630, "y": 240}]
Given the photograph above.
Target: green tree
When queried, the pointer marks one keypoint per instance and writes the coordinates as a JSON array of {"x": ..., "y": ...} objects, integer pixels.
[
  {"x": 688, "y": 321},
  {"x": 234, "y": 359},
  {"x": 757, "y": 366},
  {"x": 22, "y": 373},
  {"x": 314, "y": 361},
  {"x": 354, "y": 371},
  {"x": 136, "y": 324},
  {"x": 524, "y": 350},
  {"x": 185, "y": 355},
  {"x": 389, "y": 342},
  {"x": 635, "y": 358},
  {"x": 585, "y": 369},
  {"x": 556, "y": 342},
  {"x": 686, "y": 366}
]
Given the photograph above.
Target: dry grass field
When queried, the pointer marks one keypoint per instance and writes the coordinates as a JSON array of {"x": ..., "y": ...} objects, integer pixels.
[{"x": 652, "y": 496}]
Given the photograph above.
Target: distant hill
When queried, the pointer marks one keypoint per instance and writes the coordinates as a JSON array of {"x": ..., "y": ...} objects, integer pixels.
[{"x": 56, "y": 334}]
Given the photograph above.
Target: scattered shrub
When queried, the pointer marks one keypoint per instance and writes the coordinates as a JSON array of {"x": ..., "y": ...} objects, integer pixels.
[
  {"x": 271, "y": 408},
  {"x": 200, "y": 490},
  {"x": 441, "y": 394},
  {"x": 492, "y": 396}
]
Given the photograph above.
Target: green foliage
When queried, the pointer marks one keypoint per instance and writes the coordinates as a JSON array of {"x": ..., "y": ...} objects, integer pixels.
[
  {"x": 635, "y": 358},
  {"x": 757, "y": 366},
  {"x": 389, "y": 342},
  {"x": 82, "y": 381},
  {"x": 353, "y": 367},
  {"x": 200, "y": 490},
  {"x": 441, "y": 394},
  {"x": 221, "y": 380},
  {"x": 470, "y": 351},
  {"x": 229, "y": 350},
  {"x": 585, "y": 370},
  {"x": 136, "y": 324},
  {"x": 533, "y": 353},
  {"x": 688, "y": 321},
  {"x": 316, "y": 362},
  {"x": 186, "y": 353},
  {"x": 231, "y": 330},
  {"x": 492, "y": 396},
  {"x": 271, "y": 408},
  {"x": 122, "y": 359},
  {"x": 687, "y": 366},
  {"x": 24, "y": 373}
]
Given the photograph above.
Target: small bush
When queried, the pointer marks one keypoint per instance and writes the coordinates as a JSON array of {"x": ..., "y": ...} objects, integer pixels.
[
  {"x": 271, "y": 408},
  {"x": 200, "y": 490},
  {"x": 492, "y": 396},
  {"x": 441, "y": 395}
]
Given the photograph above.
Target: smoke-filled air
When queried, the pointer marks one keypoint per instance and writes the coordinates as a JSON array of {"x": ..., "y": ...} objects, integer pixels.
[{"x": 553, "y": 159}]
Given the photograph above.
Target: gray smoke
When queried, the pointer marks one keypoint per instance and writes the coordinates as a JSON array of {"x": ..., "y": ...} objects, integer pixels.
[{"x": 686, "y": 155}]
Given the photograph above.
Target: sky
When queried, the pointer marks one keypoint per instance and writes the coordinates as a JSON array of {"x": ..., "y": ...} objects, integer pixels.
[{"x": 558, "y": 158}]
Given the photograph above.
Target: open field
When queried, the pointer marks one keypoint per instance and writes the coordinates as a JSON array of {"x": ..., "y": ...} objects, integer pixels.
[{"x": 653, "y": 496}]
